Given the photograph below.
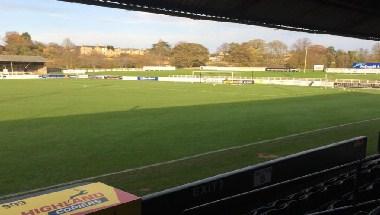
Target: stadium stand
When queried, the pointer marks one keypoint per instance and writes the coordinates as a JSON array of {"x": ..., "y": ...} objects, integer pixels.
[{"x": 335, "y": 179}]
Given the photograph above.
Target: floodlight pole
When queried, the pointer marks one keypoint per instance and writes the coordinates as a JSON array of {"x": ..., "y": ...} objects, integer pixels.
[{"x": 304, "y": 68}]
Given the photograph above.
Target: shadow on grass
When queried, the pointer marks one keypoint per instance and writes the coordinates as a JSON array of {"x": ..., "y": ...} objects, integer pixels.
[{"x": 42, "y": 152}]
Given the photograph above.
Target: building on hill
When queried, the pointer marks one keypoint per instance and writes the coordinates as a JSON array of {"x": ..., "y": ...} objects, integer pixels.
[
  {"x": 15, "y": 64},
  {"x": 217, "y": 58},
  {"x": 133, "y": 51},
  {"x": 109, "y": 51}
]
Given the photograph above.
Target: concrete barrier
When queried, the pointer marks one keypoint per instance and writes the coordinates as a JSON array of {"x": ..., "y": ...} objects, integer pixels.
[
  {"x": 233, "y": 69},
  {"x": 295, "y": 82},
  {"x": 17, "y": 77},
  {"x": 221, "y": 80},
  {"x": 129, "y": 78},
  {"x": 352, "y": 71},
  {"x": 84, "y": 71},
  {"x": 159, "y": 68},
  {"x": 74, "y": 71}
]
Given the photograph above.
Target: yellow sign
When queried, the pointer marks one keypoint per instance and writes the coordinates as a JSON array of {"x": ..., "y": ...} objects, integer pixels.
[{"x": 96, "y": 198}]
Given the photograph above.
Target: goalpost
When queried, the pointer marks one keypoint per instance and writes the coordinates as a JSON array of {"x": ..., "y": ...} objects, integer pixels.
[
  {"x": 221, "y": 77},
  {"x": 214, "y": 78}
]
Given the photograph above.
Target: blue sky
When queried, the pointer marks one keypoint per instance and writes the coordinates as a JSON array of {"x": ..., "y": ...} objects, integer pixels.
[{"x": 53, "y": 21}]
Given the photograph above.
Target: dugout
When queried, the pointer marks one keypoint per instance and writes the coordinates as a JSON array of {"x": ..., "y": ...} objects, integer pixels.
[{"x": 18, "y": 64}]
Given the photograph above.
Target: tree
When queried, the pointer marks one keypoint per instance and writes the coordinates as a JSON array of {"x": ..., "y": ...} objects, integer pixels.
[
  {"x": 331, "y": 57},
  {"x": 301, "y": 44},
  {"x": 353, "y": 57},
  {"x": 189, "y": 55},
  {"x": 54, "y": 53},
  {"x": 161, "y": 50},
  {"x": 223, "y": 48},
  {"x": 276, "y": 53},
  {"x": 256, "y": 51},
  {"x": 238, "y": 55},
  {"x": 363, "y": 55},
  {"x": 317, "y": 55},
  {"x": 277, "y": 48},
  {"x": 298, "y": 53},
  {"x": 138, "y": 61},
  {"x": 249, "y": 53},
  {"x": 16, "y": 44},
  {"x": 70, "y": 53},
  {"x": 68, "y": 44},
  {"x": 376, "y": 52},
  {"x": 257, "y": 44},
  {"x": 26, "y": 36},
  {"x": 342, "y": 59},
  {"x": 95, "y": 60}
]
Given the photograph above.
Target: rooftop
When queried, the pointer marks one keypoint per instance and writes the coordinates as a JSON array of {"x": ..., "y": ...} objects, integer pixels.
[{"x": 22, "y": 58}]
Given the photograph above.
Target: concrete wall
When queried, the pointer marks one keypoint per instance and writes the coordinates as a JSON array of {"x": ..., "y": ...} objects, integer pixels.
[
  {"x": 352, "y": 71},
  {"x": 221, "y": 80},
  {"x": 16, "y": 77},
  {"x": 233, "y": 69},
  {"x": 303, "y": 83},
  {"x": 83, "y": 71},
  {"x": 159, "y": 68}
]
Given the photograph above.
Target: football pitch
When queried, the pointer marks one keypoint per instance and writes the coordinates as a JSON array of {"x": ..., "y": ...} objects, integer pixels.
[{"x": 159, "y": 135}]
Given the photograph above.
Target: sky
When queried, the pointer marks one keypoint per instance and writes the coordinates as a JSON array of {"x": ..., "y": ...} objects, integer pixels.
[{"x": 53, "y": 21}]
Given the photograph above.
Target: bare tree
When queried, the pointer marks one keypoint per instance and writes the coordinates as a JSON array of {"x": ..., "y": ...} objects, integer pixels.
[
  {"x": 70, "y": 53},
  {"x": 68, "y": 44},
  {"x": 298, "y": 53},
  {"x": 276, "y": 53},
  {"x": 301, "y": 44}
]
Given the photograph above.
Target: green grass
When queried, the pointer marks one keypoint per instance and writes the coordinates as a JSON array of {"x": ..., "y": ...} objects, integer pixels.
[
  {"x": 55, "y": 131},
  {"x": 308, "y": 74}
]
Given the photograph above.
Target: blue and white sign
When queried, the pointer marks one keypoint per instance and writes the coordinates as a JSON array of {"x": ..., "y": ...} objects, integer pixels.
[
  {"x": 366, "y": 65},
  {"x": 147, "y": 78}
]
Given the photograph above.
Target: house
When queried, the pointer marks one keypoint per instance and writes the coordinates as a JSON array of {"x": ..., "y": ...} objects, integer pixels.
[{"x": 109, "y": 51}]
